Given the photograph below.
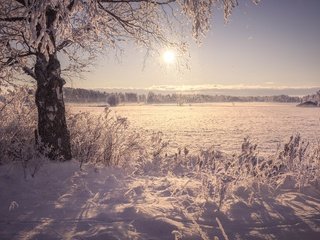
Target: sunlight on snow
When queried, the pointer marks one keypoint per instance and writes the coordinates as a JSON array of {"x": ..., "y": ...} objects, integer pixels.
[{"x": 221, "y": 124}]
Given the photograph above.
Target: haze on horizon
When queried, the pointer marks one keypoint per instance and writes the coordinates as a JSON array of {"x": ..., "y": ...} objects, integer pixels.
[{"x": 271, "y": 48}]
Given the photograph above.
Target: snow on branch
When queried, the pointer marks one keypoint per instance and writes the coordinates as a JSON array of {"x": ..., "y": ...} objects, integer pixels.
[{"x": 47, "y": 27}]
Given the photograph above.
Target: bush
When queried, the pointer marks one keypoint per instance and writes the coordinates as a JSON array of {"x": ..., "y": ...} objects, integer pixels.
[
  {"x": 113, "y": 100},
  {"x": 18, "y": 122},
  {"x": 103, "y": 139},
  {"x": 222, "y": 175}
]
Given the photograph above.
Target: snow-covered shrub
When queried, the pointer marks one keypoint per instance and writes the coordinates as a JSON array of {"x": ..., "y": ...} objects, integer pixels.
[
  {"x": 153, "y": 159},
  {"x": 18, "y": 122},
  {"x": 299, "y": 161},
  {"x": 298, "y": 164},
  {"x": 103, "y": 139},
  {"x": 244, "y": 175}
]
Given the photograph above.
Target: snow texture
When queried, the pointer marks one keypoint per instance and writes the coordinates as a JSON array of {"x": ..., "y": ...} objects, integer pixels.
[
  {"x": 222, "y": 125},
  {"x": 64, "y": 202}
]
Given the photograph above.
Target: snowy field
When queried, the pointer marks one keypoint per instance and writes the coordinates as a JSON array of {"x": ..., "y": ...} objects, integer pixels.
[
  {"x": 185, "y": 195},
  {"x": 222, "y": 125}
]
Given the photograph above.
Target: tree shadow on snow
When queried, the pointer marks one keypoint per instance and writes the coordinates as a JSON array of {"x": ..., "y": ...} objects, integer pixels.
[{"x": 111, "y": 206}]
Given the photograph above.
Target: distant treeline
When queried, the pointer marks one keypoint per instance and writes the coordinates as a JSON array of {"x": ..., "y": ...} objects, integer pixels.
[{"x": 78, "y": 95}]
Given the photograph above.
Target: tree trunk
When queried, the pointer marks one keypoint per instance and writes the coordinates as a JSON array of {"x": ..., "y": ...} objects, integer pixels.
[{"x": 52, "y": 135}]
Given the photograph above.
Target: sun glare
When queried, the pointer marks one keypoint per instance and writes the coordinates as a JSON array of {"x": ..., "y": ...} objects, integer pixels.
[{"x": 169, "y": 56}]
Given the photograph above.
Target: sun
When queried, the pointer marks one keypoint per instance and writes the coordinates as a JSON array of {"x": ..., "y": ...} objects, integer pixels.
[{"x": 169, "y": 56}]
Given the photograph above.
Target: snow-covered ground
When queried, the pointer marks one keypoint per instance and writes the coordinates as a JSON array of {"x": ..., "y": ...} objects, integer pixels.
[
  {"x": 223, "y": 125},
  {"x": 194, "y": 191},
  {"x": 64, "y": 202}
]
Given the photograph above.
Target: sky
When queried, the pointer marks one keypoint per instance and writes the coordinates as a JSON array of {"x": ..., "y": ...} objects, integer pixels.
[{"x": 273, "y": 47}]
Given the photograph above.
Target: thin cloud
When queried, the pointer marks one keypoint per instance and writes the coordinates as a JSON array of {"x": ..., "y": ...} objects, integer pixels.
[
  {"x": 220, "y": 89},
  {"x": 205, "y": 87}
]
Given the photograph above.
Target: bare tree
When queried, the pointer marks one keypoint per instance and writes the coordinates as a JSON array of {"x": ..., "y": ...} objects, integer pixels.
[{"x": 33, "y": 33}]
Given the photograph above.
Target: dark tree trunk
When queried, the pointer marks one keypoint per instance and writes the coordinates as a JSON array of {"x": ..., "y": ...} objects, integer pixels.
[{"x": 52, "y": 136}]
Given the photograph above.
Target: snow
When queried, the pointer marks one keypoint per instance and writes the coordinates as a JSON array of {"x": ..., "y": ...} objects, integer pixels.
[
  {"x": 222, "y": 125},
  {"x": 63, "y": 202}
]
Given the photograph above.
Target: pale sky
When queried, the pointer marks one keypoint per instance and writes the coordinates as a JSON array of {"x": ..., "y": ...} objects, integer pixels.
[{"x": 275, "y": 44}]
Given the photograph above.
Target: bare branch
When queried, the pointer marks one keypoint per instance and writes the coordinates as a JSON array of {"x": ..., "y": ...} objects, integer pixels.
[
  {"x": 64, "y": 44},
  {"x": 29, "y": 72},
  {"x": 22, "y": 2},
  {"x": 12, "y": 19}
]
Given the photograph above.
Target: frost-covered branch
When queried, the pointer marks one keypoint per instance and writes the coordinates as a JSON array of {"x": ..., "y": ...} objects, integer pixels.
[{"x": 46, "y": 27}]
